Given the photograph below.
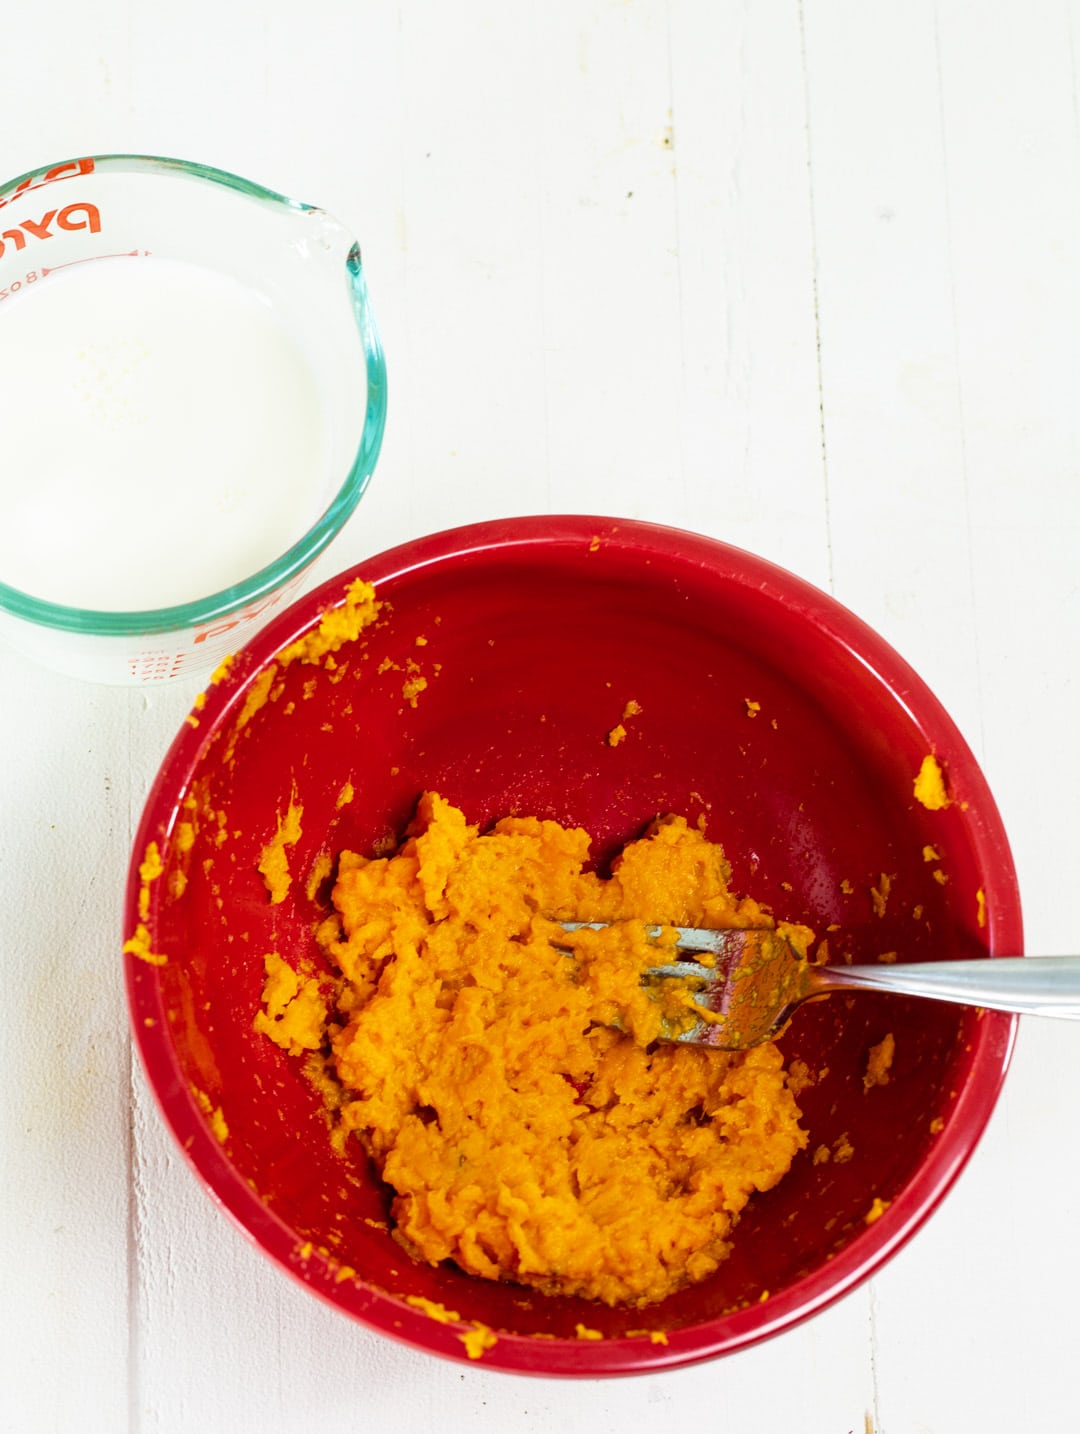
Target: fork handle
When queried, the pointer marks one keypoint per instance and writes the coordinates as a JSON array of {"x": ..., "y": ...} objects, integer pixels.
[{"x": 1024, "y": 985}]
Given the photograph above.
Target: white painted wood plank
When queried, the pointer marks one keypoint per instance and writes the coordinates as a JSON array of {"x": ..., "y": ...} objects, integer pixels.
[
  {"x": 1010, "y": 107},
  {"x": 64, "y": 1129},
  {"x": 894, "y": 449},
  {"x": 464, "y": 346},
  {"x": 605, "y": 173},
  {"x": 748, "y": 404},
  {"x": 56, "y": 108}
]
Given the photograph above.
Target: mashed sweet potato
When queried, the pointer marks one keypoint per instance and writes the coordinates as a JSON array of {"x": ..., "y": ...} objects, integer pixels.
[{"x": 507, "y": 1079}]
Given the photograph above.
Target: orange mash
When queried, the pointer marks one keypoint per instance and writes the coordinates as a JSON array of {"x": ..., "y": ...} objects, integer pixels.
[{"x": 506, "y": 1078}]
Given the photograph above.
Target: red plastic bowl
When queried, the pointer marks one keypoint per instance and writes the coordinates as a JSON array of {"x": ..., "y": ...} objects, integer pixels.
[{"x": 538, "y": 632}]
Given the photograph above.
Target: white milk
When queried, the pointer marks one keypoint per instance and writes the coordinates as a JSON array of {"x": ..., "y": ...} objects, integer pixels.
[{"x": 161, "y": 435}]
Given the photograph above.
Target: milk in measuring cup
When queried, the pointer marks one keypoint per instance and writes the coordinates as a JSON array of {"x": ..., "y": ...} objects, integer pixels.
[{"x": 161, "y": 434}]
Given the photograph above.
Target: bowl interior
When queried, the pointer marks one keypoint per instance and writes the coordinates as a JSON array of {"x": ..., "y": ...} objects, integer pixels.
[{"x": 533, "y": 636}]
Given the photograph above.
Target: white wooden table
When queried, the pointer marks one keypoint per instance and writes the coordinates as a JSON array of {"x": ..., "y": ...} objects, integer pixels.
[{"x": 804, "y": 277}]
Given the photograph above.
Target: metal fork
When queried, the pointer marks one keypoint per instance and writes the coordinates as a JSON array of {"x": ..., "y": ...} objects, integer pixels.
[{"x": 759, "y": 980}]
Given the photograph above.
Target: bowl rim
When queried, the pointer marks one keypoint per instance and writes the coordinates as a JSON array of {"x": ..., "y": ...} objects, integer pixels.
[
  {"x": 268, "y": 579},
  {"x": 991, "y": 1045}
]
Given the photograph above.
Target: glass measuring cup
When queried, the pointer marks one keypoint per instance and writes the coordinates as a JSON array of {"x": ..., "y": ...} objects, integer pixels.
[{"x": 129, "y": 564}]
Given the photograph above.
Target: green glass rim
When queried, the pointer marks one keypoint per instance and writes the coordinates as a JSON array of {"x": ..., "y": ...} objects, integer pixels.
[{"x": 274, "y": 575}]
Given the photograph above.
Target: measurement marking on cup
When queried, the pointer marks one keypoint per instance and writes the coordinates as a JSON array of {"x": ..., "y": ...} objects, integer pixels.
[
  {"x": 92, "y": 258},
  {"x": 32, "y": 275}
]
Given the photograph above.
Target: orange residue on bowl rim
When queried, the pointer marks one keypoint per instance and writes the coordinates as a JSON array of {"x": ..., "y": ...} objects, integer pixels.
[
  {"x": 338, "y": 625},
  {"x": 878, "y": 1206},
  {"x": 139, "y": 945},
  {"x": 254, "y": 701},
  {"x": 929, "y": 785},
  {"x": 150, "y": 868},
  {"x": 213, "y": 1114},
  {"x": 476, "y": 1338}
]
